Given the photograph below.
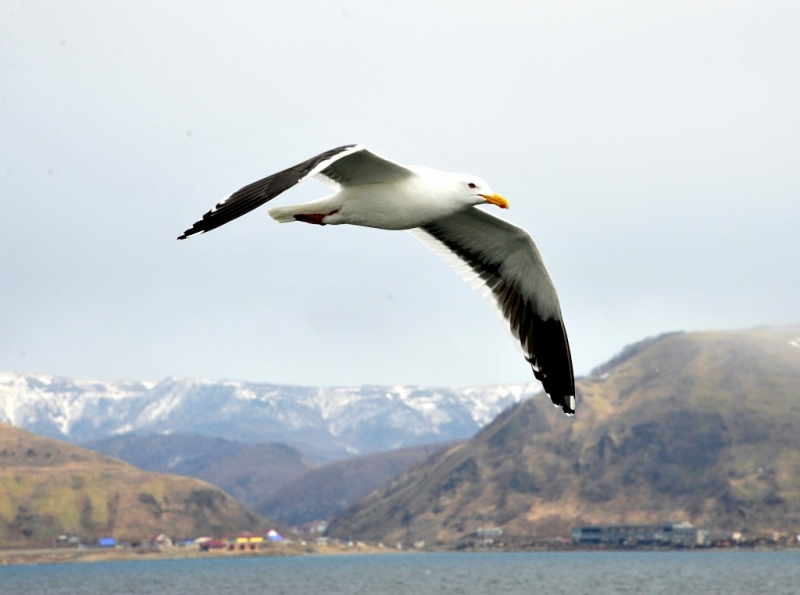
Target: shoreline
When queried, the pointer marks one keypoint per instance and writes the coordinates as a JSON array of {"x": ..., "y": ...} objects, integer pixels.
[
  {"x": 18, "y": 557},
  {"x": 30, "y": 557}
]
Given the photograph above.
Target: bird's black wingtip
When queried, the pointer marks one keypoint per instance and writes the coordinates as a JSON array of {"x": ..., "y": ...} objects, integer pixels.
[
  {"x": 560, "y": 396},
  {"x": 568, "y": 405},
  {"x": 564, "y": 402},
  {"x": 189, "y": 233}
]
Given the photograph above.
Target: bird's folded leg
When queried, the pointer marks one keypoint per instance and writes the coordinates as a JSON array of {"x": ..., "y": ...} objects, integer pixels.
[{"x": 313, "y": 218}]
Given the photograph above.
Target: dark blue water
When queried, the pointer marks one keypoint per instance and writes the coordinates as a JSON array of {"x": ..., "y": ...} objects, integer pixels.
[{"x": 551, "y": 573}]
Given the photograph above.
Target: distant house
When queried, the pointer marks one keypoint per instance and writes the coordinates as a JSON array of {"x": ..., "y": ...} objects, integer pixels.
[
  {"x": 70, "y": 540},
  {"x": 244, "y": 541},
  {"x": 670, "y": 534},
  {"x": 489, "y": 532},
  {"x": 212, "y": 544},
  {"x": 161, "y": 540},
  {"x": 107, "y": 542},
  {"x": 312, "y": 527}
]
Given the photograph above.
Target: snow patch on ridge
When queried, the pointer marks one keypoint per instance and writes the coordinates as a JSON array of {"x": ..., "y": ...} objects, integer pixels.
[{"x": 344, "y": 419}]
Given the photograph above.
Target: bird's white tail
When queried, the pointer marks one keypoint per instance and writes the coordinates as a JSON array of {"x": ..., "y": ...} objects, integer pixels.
[
  {"x": 286, "y": 214},
  {"x": 283, "y": 214}
]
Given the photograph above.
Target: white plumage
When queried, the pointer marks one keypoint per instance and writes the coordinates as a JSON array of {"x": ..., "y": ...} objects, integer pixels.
[{"x": 497, "y": 258}]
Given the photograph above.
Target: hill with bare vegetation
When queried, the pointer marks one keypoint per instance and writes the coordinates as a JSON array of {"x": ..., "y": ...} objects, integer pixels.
[
  {"x": 326, "y": 491},
  {"x": 703, "y": 427},
  {"x": 49, "y": 488},
  {"x": 248, "y": 472}
]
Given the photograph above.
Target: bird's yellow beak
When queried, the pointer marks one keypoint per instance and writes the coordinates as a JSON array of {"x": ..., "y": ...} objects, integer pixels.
[{"x": 496, "y": 199}]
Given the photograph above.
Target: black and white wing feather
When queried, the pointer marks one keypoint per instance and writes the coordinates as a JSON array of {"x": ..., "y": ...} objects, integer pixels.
[
  {"x": 349, "y": 165},
  {"x": 501, "y": 261}
]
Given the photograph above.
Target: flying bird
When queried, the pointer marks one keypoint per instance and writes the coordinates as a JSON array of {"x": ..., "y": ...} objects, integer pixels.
[{"x": 497, "y": 258}]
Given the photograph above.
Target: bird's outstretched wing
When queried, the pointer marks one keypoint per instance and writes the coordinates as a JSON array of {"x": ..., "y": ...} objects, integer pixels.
[
  {"x": 349, "y": 165},
  {"x": 502, "y": 262}
]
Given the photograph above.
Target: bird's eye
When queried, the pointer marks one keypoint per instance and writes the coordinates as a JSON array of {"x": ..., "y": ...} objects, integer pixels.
[{"x": 471, "y": 185}]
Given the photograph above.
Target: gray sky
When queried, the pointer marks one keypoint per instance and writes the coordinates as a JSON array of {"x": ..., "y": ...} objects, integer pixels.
[{"x": 651, "y": 149}]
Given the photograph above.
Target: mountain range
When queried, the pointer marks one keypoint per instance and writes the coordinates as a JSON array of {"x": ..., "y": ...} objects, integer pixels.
[
  {"x": 324, "y": 423},
  {"x": 703, "y": 427},
  {"x": 700, "y": 427}
]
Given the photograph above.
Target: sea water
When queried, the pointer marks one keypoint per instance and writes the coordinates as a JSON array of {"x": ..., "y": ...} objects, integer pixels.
[{"x": 551, "y": 573}]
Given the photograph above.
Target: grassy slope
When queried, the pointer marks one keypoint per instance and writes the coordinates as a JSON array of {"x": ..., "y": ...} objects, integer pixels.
[
  {"x": 248, "y": 472},
  {"x": 703, "y": 427},
  {"x": 49, "y": 487}
]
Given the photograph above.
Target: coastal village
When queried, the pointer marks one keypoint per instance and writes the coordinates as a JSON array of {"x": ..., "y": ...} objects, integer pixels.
[{"x": 310, "y": 539}]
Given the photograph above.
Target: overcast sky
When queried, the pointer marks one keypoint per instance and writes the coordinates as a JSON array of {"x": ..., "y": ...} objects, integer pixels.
[{"x": 652, "y": 149}]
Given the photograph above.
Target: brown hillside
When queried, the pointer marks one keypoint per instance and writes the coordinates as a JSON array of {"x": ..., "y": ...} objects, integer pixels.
[
  {"x": 49, "y": 487},
  {"x": 257, "y": 470},
  {"x": 702, "y": 427},
  {"x": 325, "y": 492},
  {"x": 245, "y": 471}
]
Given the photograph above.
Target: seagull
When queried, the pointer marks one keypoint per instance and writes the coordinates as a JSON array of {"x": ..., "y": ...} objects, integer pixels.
[{"x": 497, "y": 258}]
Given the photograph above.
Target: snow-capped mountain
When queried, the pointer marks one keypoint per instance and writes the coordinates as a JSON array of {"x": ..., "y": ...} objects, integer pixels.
[{"x": 332, "y": 422}]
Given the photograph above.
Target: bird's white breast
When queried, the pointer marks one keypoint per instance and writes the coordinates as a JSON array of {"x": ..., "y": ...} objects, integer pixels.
[{"x": 404, "y": 204}]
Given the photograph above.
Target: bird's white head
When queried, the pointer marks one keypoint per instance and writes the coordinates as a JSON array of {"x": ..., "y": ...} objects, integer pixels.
[{"x": 477, "y": 192}]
